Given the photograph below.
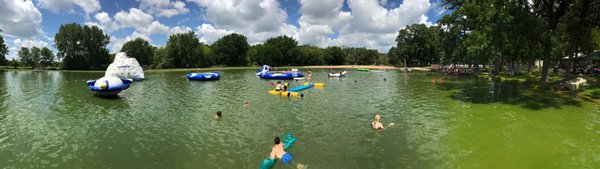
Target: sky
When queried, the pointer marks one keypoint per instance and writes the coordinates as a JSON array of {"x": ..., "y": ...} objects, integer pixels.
[{"x": 349, "y": 23}]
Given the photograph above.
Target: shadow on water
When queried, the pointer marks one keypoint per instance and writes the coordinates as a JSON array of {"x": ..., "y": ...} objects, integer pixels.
[{"x": 513, "y": 92}]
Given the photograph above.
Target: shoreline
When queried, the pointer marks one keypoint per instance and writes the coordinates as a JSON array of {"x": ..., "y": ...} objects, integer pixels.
[{"x": 380, "y": 67}]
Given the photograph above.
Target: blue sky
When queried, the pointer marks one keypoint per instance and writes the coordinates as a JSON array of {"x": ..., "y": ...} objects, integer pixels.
[{"x": 353, "y": 23}]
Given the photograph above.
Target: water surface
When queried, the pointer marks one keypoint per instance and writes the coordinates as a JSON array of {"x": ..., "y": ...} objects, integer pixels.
[{"x": 51, "y": 120}]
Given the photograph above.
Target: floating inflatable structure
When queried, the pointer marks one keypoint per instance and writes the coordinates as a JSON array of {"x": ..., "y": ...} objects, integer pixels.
[
  {"x": 204, "y": 76},
  {"x": 125, "y": 67},
  {"x": 363, "y": 69},
  {"x": 343, "y": 74},
  {"x": 265, "y": 72},
  {"x": 318, "y": 85},
  {"x": 108, "y": 86},
  {"x": 303, "y": 87}
]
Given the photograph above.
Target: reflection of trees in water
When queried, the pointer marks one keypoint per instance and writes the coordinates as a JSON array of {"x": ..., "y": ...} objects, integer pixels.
[{"x": 482, "y": 91}]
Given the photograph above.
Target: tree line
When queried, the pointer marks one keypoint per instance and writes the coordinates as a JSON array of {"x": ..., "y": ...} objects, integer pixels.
[
  {"x": 85, "y": 48},
  {"x": 500, "y": 33}
]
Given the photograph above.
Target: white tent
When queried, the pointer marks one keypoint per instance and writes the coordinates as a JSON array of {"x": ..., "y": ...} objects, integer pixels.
[{"x": 125, "y": 67}]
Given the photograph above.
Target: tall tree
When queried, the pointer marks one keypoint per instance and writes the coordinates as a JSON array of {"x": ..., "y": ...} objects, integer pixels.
[
  {"x": 25, "y": 56},
  {"x": 35, "y": 56},
  {"x": 335, "y": 55},
  {"x": 550, "y": 11},
  {"x": 183, "y": 51},
  {"x": 3, "y": 51},
  {"x": 139, "y": 49},
  {"x": 231, "y": 50},
  {"x": 285, "y": 45},
  {"x": 47, "y": 57},
  {"x": 82, "y": 47}
]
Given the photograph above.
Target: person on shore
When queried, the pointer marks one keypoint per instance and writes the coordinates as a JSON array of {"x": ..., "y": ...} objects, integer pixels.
[
  {"x": 377, "y": 123},
  {"x": 245, "y": 103},
  {"x": 218, "y": 115},
  {"x": 278, "y": 152},
  {"x": 278, "y": 86}
]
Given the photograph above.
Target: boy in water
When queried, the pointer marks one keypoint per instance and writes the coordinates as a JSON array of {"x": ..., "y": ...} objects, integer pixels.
[
  {"x": 245, "y": 103},
  {"x": 377, "y": 123},
  {"x": 218, "y": 115},
  {"x": 278, "y": 152}
]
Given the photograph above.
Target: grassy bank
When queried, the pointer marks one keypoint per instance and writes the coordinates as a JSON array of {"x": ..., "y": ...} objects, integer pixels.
[{"x": 531, "y": 82}]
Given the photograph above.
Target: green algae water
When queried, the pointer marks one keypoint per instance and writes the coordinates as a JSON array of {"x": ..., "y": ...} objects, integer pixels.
[{"x": 51, "y": 120}]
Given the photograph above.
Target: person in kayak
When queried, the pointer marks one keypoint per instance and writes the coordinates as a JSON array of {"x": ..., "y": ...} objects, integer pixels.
[
  {"x": 278, "y": 152},
  {"x": 377, "y": 123}
]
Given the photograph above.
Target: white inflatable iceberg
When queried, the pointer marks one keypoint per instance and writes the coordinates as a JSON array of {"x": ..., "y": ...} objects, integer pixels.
[{"x": 125, "y": 67}]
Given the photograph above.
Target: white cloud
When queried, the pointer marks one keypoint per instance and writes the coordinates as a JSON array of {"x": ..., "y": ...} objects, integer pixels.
[
  {"x": 155, "y": 28},
  {"x": 116, "y": 44},
  {"x": 253, "y": 15},
  {"x": 208, "y": 34},
  {"x": 135, "y": 18},
  {"x": 164, "y": 8},
  {"x": 56, "y": 6},
  {"x": 179, "y": 29},
  {"x": 369, "y": 24},
  {"x": 20, "y": 18},
  {"x": 17, "y": 43}
]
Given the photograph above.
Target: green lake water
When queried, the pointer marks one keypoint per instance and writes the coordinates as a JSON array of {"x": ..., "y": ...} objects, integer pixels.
[{"x": 51, "y": 120}]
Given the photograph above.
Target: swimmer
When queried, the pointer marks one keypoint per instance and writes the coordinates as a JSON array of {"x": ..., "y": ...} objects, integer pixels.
[
  {"x": 355, "y": 81},
  {"x": 384, "y": 79},
  {"x": 245, "y": 103},
  {"x": 377, "y": 123},
  {"x": 278, "y": 152},
  {"x": 271, "y": 84},
  {"x": 440, "y": 80},
  {"x": 278, "y": 86},
  {"x": 301, "y": 95},
  {"x": 218, "y": 115}
]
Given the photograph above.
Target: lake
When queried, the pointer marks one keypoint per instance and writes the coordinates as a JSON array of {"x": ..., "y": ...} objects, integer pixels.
[{"x": 51, "y": 120}]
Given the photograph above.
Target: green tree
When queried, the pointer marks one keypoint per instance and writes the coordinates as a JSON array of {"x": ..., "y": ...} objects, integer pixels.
[
  {"x": 230, "y": 50},
  {"x": 139, "y": 49},
  {"x": 14, "y": 63},
  {"x": 183, "y": 51},
  {"x": 25, "y": 56},
  {"x": 47, "y": 57},
  {"x": 159, "y": 59},
  {"x": 418, "y": 43},
  {"x": 34, "y": 57},
  {"x": 3, "y": 51},
  {"x": 310, "y": 55},
  {"x": 335, "y": 55},
  {"x": 82, "y": 47},
  {"x": 265, "y": 54},
  {"x": 285, "y": 45}
]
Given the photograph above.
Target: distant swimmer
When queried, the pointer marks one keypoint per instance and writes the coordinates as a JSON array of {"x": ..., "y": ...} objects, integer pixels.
[
  {"x": 440, "y": 80},
  {"x": 271, "y": 84},
  {"x": 278, "y": 86},
  {"x": 384, "y": 79},
  {"x": 301, "y": 95},
  {"x": 218, "y": 115},
  {"x": 245, "y": 103},
  {"x": 278, "y": 152},
  {"x": 355, "y": 81},
  {"x": 377, "y": 123}
]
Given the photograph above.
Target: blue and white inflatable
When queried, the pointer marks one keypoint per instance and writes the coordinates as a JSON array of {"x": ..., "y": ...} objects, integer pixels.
[
  {"x": 109, "y": 86},
  {"x": 266, "y": 73},
  {"x": 204, "y": 76}
]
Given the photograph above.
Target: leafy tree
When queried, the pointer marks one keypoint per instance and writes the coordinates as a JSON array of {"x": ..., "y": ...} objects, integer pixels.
[
  {"x": 311, "y": 55},
  {"x": 334, "y": 55},
  {"x": 265, "y": 54},
  {"x": 82, "y": 47},
  {"x": 34, "y": 57},
  {"x": 3, "y": 51},
  {"x": 159, "y": 59},
  {"x": 139, "y": 49},
  {"x": 418, "y": 42},
  {"x": 183, "y": 51},
  {"x": 25, "y": 56},
  {"x": 14, "y": 63},
  {"x": 47, "y": 57},
  {"x": 231, "y": 50},
  {"x": 285, "y": 45}
]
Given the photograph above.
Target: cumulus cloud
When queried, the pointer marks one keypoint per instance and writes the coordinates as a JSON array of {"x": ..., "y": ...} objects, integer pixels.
[
  {"x": 116, "y": 43},
  {"x": 164, "y": 8},
  {"x": 369, "y": 24},
  {"x": 208, "y": 34},
  {"x": 135, "y": 18},
  {"x": 20, "y": 18},
  {"x": 15, "y": 46},
  {"x": 56, "y": 6}
]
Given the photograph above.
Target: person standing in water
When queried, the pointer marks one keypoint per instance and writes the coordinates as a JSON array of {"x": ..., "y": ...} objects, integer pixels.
[
  {"x": 377, "y": 123},
  {"x": 278, "y": 152},
  {"x": 308, "y": 75}
]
